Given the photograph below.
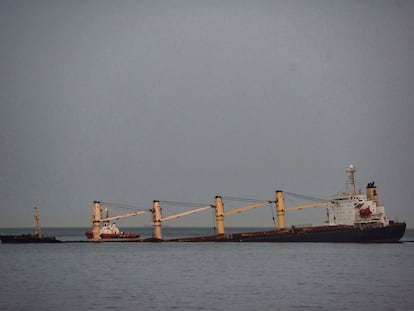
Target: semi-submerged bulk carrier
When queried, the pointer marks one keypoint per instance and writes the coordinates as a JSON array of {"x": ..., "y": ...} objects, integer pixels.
[{"x": 352, "y": 217}]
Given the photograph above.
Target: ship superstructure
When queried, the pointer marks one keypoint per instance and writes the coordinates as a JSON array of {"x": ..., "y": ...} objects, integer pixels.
[{"x": 361, "y": 210}]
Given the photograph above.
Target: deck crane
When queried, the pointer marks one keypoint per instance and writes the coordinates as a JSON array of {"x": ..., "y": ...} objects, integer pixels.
[
  {"x": 157, "y": 217},
  {"x": 97, "y": 218},
  {"x": 220, "y": 213},
  {"x": 280, "y": 208}
]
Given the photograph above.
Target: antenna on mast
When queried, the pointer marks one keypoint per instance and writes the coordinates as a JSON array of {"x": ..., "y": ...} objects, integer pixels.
[{"x": 38, "y": 233}]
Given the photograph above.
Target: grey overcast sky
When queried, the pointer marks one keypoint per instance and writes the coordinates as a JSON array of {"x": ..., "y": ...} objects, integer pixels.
[{"x": 135, "y": 101}]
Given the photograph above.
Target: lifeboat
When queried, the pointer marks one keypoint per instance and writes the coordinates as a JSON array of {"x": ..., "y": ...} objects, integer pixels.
[{"x": 365, "y": 211}]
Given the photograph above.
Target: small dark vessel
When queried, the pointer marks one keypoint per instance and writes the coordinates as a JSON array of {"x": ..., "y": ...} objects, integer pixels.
[
  {"x": 28, "y": 238},
  {"x": 37, "y": 237}
]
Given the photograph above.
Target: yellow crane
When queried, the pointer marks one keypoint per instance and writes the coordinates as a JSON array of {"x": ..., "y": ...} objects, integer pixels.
[
  {"x": 157, "y": 217},
  {"x": 280, "y": 208},
  {"x": 220, "y": 213}
]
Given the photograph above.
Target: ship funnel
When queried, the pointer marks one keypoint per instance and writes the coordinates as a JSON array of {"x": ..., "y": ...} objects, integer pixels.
[{"x": 372, "y": 193}]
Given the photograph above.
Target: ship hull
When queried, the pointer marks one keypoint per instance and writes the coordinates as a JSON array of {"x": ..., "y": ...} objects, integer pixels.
[
  {"x": 333, "y": 234},
  {"x": 27, "y": 238}
]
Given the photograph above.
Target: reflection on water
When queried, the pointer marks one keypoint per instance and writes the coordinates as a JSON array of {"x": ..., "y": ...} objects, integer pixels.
[{"x": 205, "y": 276}]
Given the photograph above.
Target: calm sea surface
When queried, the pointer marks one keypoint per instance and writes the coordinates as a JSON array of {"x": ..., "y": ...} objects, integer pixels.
[{"x": 204, "y": 276}]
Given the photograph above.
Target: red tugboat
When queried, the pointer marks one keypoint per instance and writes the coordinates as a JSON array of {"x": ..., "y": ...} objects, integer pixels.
[{"x": 111, "y": 231}]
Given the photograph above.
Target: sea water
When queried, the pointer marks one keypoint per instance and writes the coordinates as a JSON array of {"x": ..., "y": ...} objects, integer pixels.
[{"x": 205, "y": 276}]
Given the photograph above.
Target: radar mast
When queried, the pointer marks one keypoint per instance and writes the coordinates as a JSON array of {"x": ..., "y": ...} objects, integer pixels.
[{"x": 350, "y": 182}]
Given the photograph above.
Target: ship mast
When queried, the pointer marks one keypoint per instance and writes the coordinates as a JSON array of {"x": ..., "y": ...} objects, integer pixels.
[
  {"x": 350, "y": 182},
  {"x": 38, "y": 233}
]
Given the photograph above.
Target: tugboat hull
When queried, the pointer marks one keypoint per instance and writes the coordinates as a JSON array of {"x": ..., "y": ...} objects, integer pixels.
[{"x": 127, "y": 235}]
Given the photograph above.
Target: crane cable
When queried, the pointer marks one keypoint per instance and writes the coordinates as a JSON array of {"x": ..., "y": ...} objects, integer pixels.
[
  {"x": 121, "y": 206},
  {"x": 304, "y": 197},
  {"x": 244, "y": 199},
  {"x": 187, "y": 204}
]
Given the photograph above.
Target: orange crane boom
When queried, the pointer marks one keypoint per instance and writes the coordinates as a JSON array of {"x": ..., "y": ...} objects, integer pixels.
[{"x": 193, "y": 211}]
